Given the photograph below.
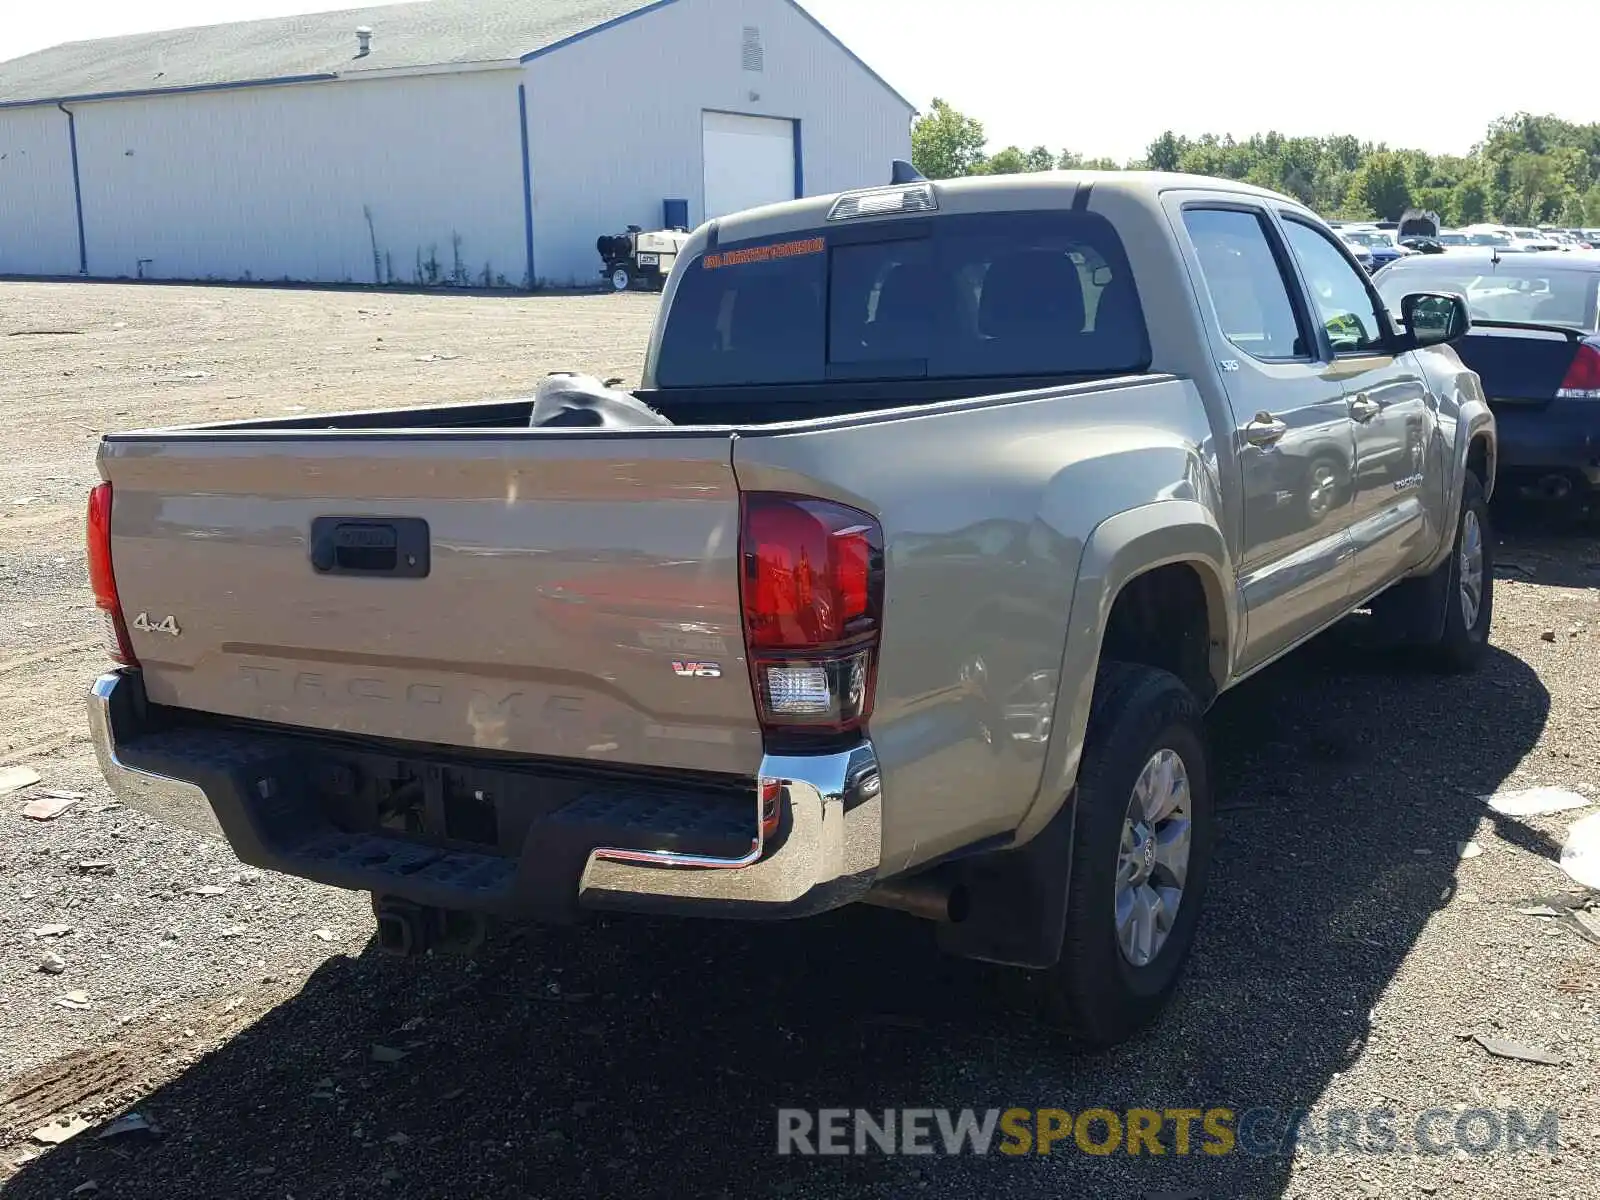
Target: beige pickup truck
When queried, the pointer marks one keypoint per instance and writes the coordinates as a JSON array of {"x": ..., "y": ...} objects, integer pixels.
[{"x": 943, "y": 513}]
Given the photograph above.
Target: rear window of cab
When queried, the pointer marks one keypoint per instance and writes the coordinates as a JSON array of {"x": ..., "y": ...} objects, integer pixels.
[{"x": 948, "y": 297}]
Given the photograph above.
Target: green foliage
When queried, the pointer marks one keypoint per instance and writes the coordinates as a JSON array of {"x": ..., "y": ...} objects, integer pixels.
[
  {"x": 946, "y": 143},
  {"x": 1015, "y": 161},
  {"x": 1380, "y": 187},
  {"x": 1527, "y": 170}
]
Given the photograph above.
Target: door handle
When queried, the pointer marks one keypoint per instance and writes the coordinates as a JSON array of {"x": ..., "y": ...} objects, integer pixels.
[
  {"x": 1265, "y": 430},
  {"x": 1364, "y": 407}
]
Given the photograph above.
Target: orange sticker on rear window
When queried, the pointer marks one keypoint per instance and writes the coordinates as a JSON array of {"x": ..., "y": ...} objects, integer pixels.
[{"x": 756, "y": 254}]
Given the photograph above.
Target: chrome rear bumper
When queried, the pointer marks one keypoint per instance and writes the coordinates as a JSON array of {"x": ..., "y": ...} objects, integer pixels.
[
  {"x": 826, "y": 853},
  {"x": 172, "y": 800}
]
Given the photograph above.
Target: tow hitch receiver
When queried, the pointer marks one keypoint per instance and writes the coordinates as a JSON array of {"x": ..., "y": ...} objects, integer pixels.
[{"x": 406, "y": 929}]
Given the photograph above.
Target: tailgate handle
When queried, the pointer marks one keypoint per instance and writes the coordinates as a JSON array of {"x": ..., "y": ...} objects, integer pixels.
[{"x": 391, "y": 547}]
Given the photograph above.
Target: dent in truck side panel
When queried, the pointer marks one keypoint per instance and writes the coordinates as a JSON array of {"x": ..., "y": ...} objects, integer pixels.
[
  {"x": 1121, "y": 548},
  {"x": 985, "y": 508}
]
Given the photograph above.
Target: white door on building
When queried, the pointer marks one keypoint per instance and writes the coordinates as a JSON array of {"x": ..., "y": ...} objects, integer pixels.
[{"x": 749, "y": 161}]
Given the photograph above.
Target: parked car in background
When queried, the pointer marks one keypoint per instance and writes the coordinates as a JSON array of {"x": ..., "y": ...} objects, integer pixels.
[
  {"x": 1437, "y": 243},
  {"x": 1535, "y": 343},
  {"x": 1500, "y": 237},
  {"x": 1375, "y": 245},
  {"x": 1535, "y": 239},
  {"x": 1359, "y": 248},
  {"x": 1569, "y": 239},
  {"x": 1417, "y": 223}
]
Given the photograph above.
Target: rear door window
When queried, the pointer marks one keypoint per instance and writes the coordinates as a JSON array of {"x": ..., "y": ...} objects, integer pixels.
[{"x": 968, "y": 296}]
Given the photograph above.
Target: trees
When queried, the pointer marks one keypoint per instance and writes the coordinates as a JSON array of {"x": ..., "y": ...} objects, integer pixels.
[
  {"x": 1014, "y": 161},
  {"x": 946, "y": 143},
  {"x": 1380, "y": 187},
  {"x": 1528, "y": 169}
]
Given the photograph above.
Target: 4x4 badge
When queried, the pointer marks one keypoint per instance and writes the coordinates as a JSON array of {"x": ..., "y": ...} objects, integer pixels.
[{"x": 168, "y": 624}]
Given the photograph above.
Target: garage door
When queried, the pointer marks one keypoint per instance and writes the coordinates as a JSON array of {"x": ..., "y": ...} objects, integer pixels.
[{"x": 749, "y": 161}]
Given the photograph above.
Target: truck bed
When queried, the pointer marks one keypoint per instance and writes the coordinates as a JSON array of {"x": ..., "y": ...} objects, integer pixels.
[
  {"x": 447, "y": 576},
  {"x": 724, "y": 409}
]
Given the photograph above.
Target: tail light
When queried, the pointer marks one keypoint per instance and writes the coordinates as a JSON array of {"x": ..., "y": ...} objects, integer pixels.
[
  {"x": 812, "y": 590},
  {"x": 103, "y": 581},
  {"x": 1583, "y": 376}
]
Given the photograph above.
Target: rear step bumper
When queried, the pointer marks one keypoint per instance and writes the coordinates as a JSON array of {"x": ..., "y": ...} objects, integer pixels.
[{"x": 615, "y": 847}]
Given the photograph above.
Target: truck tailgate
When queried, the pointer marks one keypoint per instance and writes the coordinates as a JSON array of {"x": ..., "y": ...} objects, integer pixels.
[{"x": 542, "y": 594}]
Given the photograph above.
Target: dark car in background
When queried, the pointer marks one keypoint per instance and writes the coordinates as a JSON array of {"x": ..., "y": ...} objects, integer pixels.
[
  {"x": 1535, "y": 343},
  {"x": 1435, "y": 243}
]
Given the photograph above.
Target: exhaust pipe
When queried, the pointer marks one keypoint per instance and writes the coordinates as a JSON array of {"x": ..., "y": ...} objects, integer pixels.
[{"x": 930, "y": 898}]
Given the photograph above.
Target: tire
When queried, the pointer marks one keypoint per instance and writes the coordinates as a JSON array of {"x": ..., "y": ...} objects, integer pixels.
[
  {"x": 621, "y": 279},
  {"x": 1461, "y": 645},
  {"x": 1141, "y": 719}
]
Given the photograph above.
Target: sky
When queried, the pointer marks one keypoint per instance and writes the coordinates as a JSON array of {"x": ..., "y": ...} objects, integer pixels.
[{"x": 1105, "y": 78}]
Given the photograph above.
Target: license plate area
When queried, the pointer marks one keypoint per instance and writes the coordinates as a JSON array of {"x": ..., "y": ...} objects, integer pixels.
[{"x": 489, "y": 807}]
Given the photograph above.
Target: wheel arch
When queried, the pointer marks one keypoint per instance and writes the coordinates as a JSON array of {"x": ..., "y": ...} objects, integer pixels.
[{"x": 1172, "y": 546}]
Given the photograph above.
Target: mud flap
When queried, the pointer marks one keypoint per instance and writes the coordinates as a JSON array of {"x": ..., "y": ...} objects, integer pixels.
[{"x": 1017, "y": 899}]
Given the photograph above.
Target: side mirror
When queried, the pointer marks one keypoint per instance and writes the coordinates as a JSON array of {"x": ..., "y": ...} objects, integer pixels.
[{"x": 1434, "y": 318}]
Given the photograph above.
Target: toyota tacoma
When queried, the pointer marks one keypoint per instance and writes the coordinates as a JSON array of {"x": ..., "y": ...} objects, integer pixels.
[{"x": 943, "y": 513}]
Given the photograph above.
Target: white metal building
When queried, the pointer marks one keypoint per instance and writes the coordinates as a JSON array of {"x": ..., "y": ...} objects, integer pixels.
[{"x": 451, "y": 141}]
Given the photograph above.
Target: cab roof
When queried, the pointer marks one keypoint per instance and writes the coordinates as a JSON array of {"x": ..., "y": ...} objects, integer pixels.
[{"x": 989, "y": 193}]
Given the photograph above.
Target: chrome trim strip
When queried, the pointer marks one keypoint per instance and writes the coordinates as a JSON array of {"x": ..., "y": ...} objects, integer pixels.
[
  {"x": 671, "y": 858},
  {"x": 829, "y": 856},
  {"x": 171, "y": 800},
  {"x": 676, "y": 858}
]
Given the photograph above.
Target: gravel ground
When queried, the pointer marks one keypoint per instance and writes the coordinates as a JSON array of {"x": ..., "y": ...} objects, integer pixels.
[{"x": 1347, "y": 957}]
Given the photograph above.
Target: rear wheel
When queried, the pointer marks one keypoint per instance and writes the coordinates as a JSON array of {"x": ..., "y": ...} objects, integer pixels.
[
  {"x": 1141, "y": 855},
  {"x": 621, "y": 279}
]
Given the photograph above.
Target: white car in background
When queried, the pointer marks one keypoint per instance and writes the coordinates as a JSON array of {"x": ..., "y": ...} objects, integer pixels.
[
  {"x": 1504, "y": 237},
  {"x": 1536, "y": 239}
]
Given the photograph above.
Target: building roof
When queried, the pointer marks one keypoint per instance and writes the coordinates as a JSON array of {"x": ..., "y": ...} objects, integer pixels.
[
  {"x": 437, "y": 33},
  {"x": 319, "y": 45}
]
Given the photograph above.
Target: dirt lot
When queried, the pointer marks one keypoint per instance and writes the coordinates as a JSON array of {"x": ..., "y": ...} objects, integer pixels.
[{"x": 1348, "y": 956}]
